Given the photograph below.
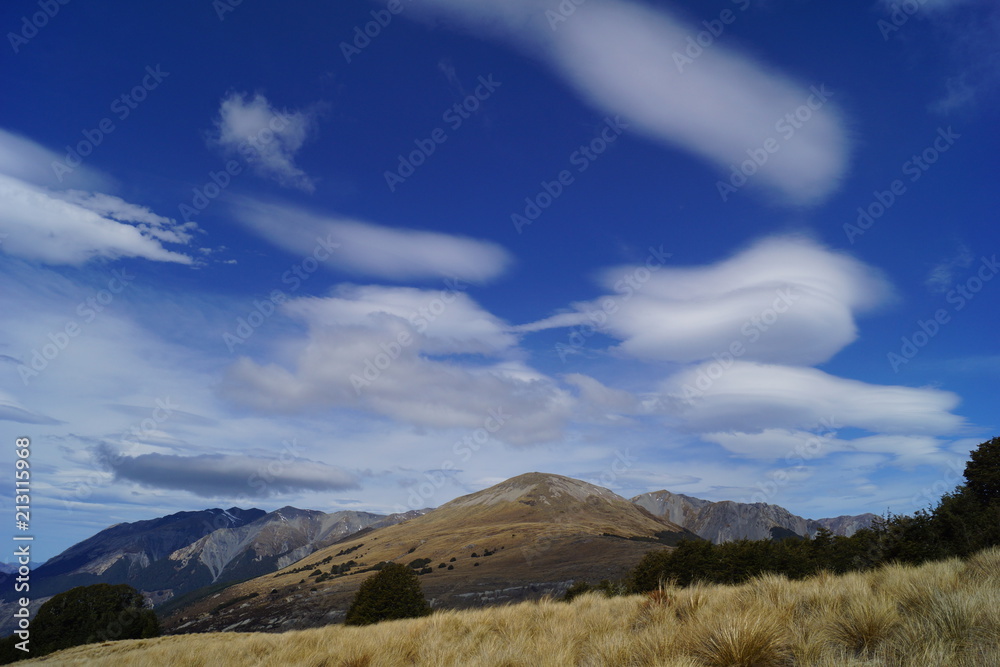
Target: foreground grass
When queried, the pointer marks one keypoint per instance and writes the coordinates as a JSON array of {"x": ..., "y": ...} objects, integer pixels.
[{"x": 939, "y": 614}]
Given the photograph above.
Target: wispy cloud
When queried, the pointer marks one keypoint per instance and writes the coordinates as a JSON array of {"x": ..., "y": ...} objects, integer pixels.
[
  {"x": 266, "y": 137},
  {"x": 621, "y": 57},
  {"x": 73, "y": 226},
  {"x": 791, "y": 445},
  {"x": 12, "y": 410},
  {"x": 370, "y": 249},
  {"x": 942, "y": 276},
  {"x": 395, "y": 353}
]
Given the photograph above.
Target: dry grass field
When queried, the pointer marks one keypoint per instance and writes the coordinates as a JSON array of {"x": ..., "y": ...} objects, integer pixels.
[{"x": 943, "y": 614}]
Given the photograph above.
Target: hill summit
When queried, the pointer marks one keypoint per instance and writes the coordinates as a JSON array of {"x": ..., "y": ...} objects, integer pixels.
[{"x": 522, "y": 538}]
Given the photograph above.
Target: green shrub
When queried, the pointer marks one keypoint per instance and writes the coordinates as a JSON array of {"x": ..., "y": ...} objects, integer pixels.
[
  {"x": 392, "y": 593},
  {"x": 88, "y": 614}
]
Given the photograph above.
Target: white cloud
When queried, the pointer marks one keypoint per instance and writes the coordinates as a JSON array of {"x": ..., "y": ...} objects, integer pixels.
[
  {"x": 266, "y": 137},
  {"x": 799, "y": 447},
  {"x": 751, "y": 397},
  {"x": 449, "y": 321},
  {"x": 599, "y": 401},
  {"x": 784, "y": 299},
  {"x": 25, "y": 160},
  {"x": 363, "y": 354},
  {"x": 620, "y": 56},
  {"x": 72, "y": 226},
  {"x": 374, "y": 250},
  {"x": 44, "y": 226},
  {"x": 12, "y": 410}
]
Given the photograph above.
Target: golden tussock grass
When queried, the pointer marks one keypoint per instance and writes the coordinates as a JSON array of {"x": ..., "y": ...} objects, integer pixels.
[{"x": 944, "y": 614}]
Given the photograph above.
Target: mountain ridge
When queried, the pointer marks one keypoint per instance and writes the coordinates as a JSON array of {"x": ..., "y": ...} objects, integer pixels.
[{"x": 727, "y": 520}]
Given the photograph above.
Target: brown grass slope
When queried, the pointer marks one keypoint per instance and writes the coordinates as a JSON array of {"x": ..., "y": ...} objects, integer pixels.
[
  {"x": 944, "y": 614},
  {"x": 541, "y": 532}
]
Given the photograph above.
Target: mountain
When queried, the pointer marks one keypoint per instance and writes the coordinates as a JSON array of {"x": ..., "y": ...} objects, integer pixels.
[
  {"x": 181, "y": 552},
  {"x": 525, "y": 537},
  {"x": 727, "y": 520},
  {"x": 120, "y": 553}
]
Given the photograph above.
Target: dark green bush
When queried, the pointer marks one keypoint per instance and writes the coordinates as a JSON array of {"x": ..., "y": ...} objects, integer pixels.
[
  {"x": 392, "y": 593},
  {"x": 85, "y": 615}
]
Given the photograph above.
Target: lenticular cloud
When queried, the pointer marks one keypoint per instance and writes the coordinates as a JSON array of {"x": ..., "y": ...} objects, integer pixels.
[{"x": 712, "y": 101}]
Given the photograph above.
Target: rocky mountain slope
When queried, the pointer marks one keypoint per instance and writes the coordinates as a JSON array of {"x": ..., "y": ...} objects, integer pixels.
[
  {"x": 181, "y": 552},
  {"x": 530, "y": 535},
  {"x": 727, "y": 520},
  {"x": 122, "y": 552}
]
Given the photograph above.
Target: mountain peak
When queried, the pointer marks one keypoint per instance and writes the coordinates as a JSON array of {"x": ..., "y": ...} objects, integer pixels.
[{"x": 536, "y": 488}]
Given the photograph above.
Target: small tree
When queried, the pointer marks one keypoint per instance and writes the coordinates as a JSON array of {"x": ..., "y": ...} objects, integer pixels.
[
  {"x": 394, "y": 592},
  {"x": 87, "y": 614}
]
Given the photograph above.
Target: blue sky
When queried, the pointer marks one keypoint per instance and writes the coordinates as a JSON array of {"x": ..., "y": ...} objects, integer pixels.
[{"x": 370, "y": 256}]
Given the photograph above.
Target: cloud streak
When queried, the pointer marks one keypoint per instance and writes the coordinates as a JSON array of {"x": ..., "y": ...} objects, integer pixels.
[
  {"x": 621, "y": 57},
  {"x": 227, "y": 476},
  {"x": 751, "y": 397},
  {"x": 370, "y": 249}
]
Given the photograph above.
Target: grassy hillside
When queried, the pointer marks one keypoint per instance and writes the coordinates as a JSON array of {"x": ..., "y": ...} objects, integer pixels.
[
  {"x": 939, "y": 614},
  {"x": 518, "y": 539}
]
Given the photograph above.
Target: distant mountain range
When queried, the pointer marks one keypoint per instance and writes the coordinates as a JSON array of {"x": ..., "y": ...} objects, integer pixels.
[
  {"x": 531, "y": 534},
  {"x": 181, "y": 552},
  {"x": 727, "y": 520}
]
